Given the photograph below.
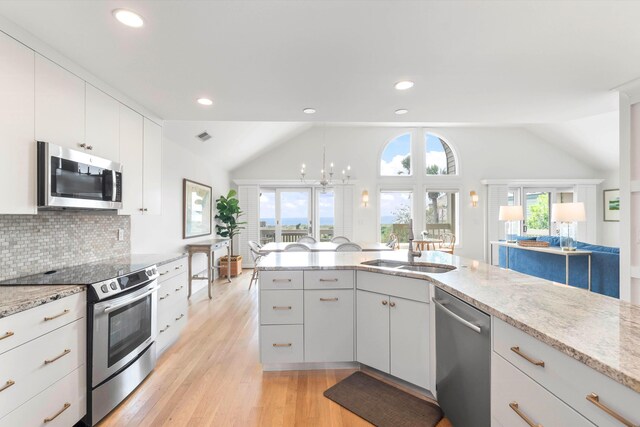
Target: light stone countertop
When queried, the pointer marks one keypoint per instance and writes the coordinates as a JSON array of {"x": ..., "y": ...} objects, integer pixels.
[
  {"x": 599, "y": 331},
  {"x": 14, "y": 299}
]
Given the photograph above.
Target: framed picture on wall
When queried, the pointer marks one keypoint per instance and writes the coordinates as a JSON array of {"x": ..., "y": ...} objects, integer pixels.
[
  {"x": 196, "y": 209},
  {"x": 611, "y": 205}
]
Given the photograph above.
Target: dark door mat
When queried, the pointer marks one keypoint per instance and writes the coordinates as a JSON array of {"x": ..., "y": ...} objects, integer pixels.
[{"x": 382, "y": 404}]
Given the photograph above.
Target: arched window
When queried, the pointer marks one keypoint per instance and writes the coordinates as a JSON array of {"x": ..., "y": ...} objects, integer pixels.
[
  {"x": 396, "y": 157},
  {"x": 440, "y": 158}
]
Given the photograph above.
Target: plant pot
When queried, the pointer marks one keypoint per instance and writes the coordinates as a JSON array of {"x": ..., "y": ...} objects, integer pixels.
[{"x": 236, "y": 266}]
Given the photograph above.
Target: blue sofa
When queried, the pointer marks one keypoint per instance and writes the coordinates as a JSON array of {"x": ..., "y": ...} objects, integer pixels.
[{"x": 605, "y": 265}]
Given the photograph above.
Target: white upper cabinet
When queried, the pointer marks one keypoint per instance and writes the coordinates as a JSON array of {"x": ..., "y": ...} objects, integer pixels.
[
  {"x": 59, "y": 105},
  {"x": 102, "y": 124},
  {"x": 152, "y": 168},
  {"x": 18, "y": 172},
  {"x": 131, "y": 155}
]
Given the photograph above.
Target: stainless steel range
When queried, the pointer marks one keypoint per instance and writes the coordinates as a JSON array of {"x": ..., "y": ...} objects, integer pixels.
[{"x": 122, "y": 316}]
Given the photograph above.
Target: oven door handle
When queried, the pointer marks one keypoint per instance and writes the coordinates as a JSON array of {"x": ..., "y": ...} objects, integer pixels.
[{"x": 110, "y": 308}]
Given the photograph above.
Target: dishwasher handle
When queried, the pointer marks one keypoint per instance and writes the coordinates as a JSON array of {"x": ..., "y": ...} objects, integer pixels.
[{"x": 465, "y": 322}]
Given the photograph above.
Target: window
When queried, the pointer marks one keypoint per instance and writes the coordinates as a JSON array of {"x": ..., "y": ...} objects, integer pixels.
[
  {"x": 536, "y": 213},
  {"x": 441, "y": 213},
  {"x": 326, "y": 214},
  {"x": 396, "y": 157},
  {"x": 439, "y": 158},
  {"x": 395, "y": 213}
]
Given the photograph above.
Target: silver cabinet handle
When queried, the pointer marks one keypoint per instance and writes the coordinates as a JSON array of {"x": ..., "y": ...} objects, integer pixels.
[
  {"x": 282, "y": 345},
  {"x": 282, "y": 307},
  {"x": 110, "y": 308},
  {"x": 595, "y": 399},
  {"x": 281, "y": 280},
  {"x": 89, "y": 147},
  {"x": 328, "y": 280},
  {"x": 525, "y": 418},
  {"x": 178, "y": 267},
  {"x": 180, "y": 288},
  {"x": 465, "y": 322},
  {"x": 531, "y": 360},
  {"x": 164, "y": 297},
  {"x": 329, "y": 299},
  {"x": 83, "y": 145},
  {"x": 165, "y": 328},
  {"x": 179, "y": 317}
]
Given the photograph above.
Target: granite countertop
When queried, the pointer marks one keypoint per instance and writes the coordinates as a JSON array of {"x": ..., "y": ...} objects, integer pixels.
[
  {"x": 599, "y": 331},
  {"x": 94, "y": 272},
  {"x": 14, "y": 299}
]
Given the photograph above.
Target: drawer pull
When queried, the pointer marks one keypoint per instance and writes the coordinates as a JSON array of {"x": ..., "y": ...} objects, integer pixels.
[
  {"x": 46, "y": 319},
  {"x": 179, "y": 317},
  {"x": 164, "y": 297},
  {"x": 178, "y": 267},
  {"x": 329, "y": 299},
  {"x": 64, "y": 408},
  {"x": 282, "y": 345},
  {"x": 6, "y": 385},
  {"x": 595, "y": 399},
  {"x": 162, "y": 330},
  {"x": 7, "y": 335},
  {"x": 392, "y": 304},
  {"x": 536, "y": 362},
  {"x": 282, "y": 307},
  {"x": 180, "y": 288},
  {"x": 328, "y": 280},
  {"x": 64, "y": 353},
  {"x": 281, "y": 280},
  {"x": 385, "y": 302},
  {"x": 166, "y": 272},
  {"x": 516, "y": 409}
]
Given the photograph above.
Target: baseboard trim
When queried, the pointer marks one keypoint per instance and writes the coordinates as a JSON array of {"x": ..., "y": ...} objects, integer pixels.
[{"x": 311, "y": 366}]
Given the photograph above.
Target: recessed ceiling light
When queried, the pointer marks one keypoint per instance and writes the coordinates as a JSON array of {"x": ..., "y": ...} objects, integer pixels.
[
  {"x": 309, "y": 110},
  {"x": 402, "y": 111},
  {"x": 404, "y": 85},
  {"x": 205, "y": 101},
  {"x": 128, "y": 18}
]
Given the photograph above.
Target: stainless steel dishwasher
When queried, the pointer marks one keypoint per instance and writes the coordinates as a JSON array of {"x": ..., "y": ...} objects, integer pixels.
[{"x": 463, "y": 361}]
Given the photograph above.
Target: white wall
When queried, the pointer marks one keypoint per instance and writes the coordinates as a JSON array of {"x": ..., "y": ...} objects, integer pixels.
[
  {"x": 483, "y": 153},
  {"x": 163, "y": 233}
]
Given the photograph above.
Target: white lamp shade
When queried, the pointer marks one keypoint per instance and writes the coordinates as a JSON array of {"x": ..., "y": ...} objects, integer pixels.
[
  {"x": 511, "y": 213},
  {"x": 568, "y": 212}
]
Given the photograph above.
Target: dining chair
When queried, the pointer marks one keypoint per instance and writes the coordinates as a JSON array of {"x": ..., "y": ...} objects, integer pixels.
[
  {"x": 306, "y": 239},
  {"x": 349, "y": 247},
  {"x": 297, "y": 247},
  {"x": 254, "y": 248},
  {"x": 340, "y": 239},
  {"x": 448, "y": 243}
]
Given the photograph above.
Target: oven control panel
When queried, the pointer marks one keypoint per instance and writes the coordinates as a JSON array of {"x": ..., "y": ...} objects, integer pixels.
[{"x": 115, "y": 286}]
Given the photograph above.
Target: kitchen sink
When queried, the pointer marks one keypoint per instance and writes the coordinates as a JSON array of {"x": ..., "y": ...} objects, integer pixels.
[{"x": 422, "y": 267}]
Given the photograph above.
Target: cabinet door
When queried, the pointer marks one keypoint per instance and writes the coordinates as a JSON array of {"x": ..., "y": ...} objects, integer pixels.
[
  {"x": 102, "y": 124},
  {"x": 409, "y": 323},
  {"x": 59, "y": 105},
  {"x": 152, "y": 175},
  {"x": 131, "y": 157},
  {"x": 18, "y": 172},
  {"x": 328, "y": 325},
  {"x": 373, "y": 330}
]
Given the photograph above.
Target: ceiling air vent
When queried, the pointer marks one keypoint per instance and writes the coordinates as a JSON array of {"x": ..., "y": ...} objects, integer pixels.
[{"x": 204, "y": 136}]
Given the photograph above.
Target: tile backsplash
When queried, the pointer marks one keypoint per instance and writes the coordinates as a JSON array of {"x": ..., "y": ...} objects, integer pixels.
[{"x": 55, "y": 239}]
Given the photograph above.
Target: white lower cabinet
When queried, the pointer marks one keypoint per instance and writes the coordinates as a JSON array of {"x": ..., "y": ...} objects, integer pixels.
[
  {"x": 517, "y": 400},
  {"x": 281, "y": 307},
  {"x": 281, "y": 344},
  {"x": 328, "y": 325},
  {"x": 173, "y": 304},
  {"x": 393, "y": 336}
]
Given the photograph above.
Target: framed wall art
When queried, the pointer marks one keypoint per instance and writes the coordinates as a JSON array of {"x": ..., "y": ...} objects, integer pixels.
[
  {"x": 611, "y": 205},
  {"x": 196, "y": 209}
]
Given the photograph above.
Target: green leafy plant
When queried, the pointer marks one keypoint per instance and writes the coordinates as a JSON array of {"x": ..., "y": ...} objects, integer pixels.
[{"x": 228, "y": 214}]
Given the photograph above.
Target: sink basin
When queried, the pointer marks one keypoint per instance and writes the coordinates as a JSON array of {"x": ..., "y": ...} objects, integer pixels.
[{"x": 422, "y": 267}]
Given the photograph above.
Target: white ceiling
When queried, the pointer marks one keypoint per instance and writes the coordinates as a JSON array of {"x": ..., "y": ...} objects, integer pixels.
[{"x": 472, "y": 61}]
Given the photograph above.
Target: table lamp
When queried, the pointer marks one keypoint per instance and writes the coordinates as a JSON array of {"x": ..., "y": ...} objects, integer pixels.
[
  {"x": 567, "y": 214},
  {"x": 511, "y": 215}
]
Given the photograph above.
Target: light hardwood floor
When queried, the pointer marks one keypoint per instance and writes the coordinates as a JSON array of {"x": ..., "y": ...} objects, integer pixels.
[{"x": 212, "y": 375}]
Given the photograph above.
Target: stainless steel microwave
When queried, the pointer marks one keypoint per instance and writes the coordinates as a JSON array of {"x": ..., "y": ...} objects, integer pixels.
[{"x": 73, "y": 179}]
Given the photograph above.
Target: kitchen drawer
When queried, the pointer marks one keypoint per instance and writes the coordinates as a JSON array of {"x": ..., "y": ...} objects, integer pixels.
[
  {"x": 281, "y": 344},
  {"x": 19, "y": 328},
  {"x": 329, "y": 279},
  {"x": 172, "y": 290},
  {"x": 413, "y": 289},
  {"x": 280, "y": 279},
  {"x": 170, "y": 327},
  {"x": 66, "y": 399},
  {"x": 510, "y": 387},
  {"x": 328, "y": 325},
  {"x": 36, "y": 365},
  {"x": 171, "y": 269},
  {"x": 281, "y": 307},
  {"x": 567, "y": 378}
]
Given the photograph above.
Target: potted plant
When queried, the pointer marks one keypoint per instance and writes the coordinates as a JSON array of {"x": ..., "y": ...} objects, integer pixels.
[{"x": 228, "y": 226}]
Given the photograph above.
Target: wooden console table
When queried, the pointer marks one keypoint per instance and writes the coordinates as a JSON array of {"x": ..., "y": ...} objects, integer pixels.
[
  {"x": 208, "y": 248},
  {"x": 548, "y": 250}
]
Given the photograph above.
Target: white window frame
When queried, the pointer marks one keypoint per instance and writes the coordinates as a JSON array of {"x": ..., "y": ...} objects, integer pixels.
[{"x": 444, "y": 189}]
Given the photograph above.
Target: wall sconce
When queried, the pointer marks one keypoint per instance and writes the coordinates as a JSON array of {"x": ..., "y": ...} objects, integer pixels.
[
  {"x": 474, "y": 198},
  {"x": 365, "y": 198}
]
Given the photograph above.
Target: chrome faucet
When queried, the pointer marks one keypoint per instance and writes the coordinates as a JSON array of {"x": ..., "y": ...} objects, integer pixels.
[{"x": 412, "y": 254}]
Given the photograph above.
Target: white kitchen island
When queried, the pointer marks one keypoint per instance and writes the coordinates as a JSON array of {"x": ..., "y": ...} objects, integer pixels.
[{"x": 560, "y": 355}]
